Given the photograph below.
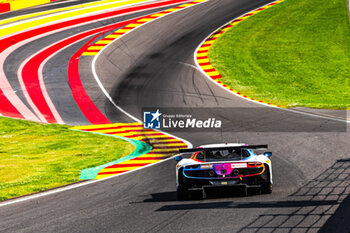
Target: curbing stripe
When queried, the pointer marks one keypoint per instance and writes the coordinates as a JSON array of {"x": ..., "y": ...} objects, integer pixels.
[
  {"x": 16, "y": 5},
  {"x": 93, "y": 49},
  {"x": 161, "y": 147},
  {"x": 13, "y": 106},
  {"x": 201, "y": 54},
  {"x": 141, "y": 149},
  {"x": 5, "y": 7}
]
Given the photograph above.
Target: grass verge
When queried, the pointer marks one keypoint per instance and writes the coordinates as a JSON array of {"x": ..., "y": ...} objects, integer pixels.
[
  {"x": 296, "y": 53},
  {"x": 36, "y": 157}
]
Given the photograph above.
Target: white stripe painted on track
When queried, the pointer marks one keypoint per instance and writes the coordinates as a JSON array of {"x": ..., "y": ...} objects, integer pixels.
[
  {"x": 74, "y": 186},
  {"x": 59, "y": 12},
  {"x": 26, "y": 94},
  {"x": 58, "y": 2},
  {"x": 10, "y": 93},
  {"x": 106, "y": 92},
  {"x": 40, "y": 71},
  {"x": 69, "y": 18},
  {"x": 233, "y": 93},
  {"x": 5, "y": 85}
]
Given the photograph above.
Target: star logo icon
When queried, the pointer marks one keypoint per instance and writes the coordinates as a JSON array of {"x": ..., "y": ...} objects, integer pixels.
[
  {"x": 151, "y": 119},
  {"x": 156, "y": 115}
]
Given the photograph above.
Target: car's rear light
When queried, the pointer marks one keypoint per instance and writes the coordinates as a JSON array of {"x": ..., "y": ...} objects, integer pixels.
[
  {"x": 254, "y": 164},
  {"x": 193, "y": 166}
]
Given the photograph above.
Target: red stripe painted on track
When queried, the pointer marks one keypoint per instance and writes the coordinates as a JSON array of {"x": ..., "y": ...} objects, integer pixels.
[
  {"x": 6, "y": 104},
  {"x": 150, "y": 158},
  {"x": 4, "y": 7},
  {"x": 132, "y": 131},
  {"x": 111, "y": 173},
  {"x": 31, "y": 79},
  {"x": 144, "y": 135},
  {"x": 93, "y": 51},
  {"x": 118, "y": 127},
  {"x": 201, "y": 52},
  {"x": 171, "y": 142},
  {"x": 165, "y": 138},
  {"x": 7, "y": 109},
  {"x": 160, "y": 153},
  {"x": 110, "y": 39},
  {"x": 128, "y": 165},
  {"x": 13, "y": 39},
  {"x": 209, "y": 70},
  {"x": 170, "y": 147},
  {"x": 86, "y": 105}
]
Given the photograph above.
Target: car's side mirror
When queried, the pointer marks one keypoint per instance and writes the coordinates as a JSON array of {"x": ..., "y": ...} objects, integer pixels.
[
  {"x": 268, "y": 154},
  {"x": 178, "y": 158}
]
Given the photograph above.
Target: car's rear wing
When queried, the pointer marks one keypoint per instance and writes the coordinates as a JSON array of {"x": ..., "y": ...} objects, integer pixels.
[{"x": 223, "y": 148}]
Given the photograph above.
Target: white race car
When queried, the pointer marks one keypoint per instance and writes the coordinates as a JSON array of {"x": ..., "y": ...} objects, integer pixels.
[{"x": 222, "y": 168}]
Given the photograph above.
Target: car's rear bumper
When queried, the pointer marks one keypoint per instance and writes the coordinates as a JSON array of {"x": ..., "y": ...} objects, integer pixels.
[
  {"x": 224, "y": 190},
  {"x": 253, "y": 181},
  {"x": 249, "y": 180}
]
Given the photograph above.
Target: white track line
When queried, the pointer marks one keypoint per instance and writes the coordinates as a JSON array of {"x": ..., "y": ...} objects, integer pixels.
[
  {"x": 233, "y": 93},
  {"x": 10, "y": 94},
  {"x": 5, "y": 85},
  {"x": 26, "y": 94},
  {"x": 41, "y": 78},
  {"x": 63, "y": 11},
  {"x": 73, "y": 186},
  {"x": 105, "y": 92},
  {"x": 41, "y": 67},
  {"x": 34, "y": 196},
  {"x": 74, "y": 17}
]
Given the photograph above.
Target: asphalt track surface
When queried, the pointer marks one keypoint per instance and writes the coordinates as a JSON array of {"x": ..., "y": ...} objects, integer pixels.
[
  {"x": 55, "y": 71},
  {"x": 44, "y": 7},
  {"x": 156, "y": 69}
]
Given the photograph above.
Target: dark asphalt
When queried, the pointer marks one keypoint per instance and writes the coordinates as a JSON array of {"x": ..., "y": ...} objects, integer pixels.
[
  {"x": 155, "y": 69},
  {"x": 56, "y": 69}
]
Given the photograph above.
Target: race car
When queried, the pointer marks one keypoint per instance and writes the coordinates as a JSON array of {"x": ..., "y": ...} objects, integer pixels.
[{"x": 227, "y": 167}]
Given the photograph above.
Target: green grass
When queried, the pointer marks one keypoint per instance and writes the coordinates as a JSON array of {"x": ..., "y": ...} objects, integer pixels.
[
  {"x": 36, "y": 157},
  {"x": 296, "y": 53}
]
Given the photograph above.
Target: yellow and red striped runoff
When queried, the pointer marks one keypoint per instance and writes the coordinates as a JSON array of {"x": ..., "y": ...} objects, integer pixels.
[
  {"x": 95, "y": 48},
  {"x": 15, "y": 28},
  {"x": 202, "y": 52},
  {"x": 163, "y": 146}
]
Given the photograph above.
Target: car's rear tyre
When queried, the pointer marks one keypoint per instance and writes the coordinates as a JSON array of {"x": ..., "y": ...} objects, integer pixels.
[
  {"x": 266, "y": 188},
  {"x": 182, "y": 194}
]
